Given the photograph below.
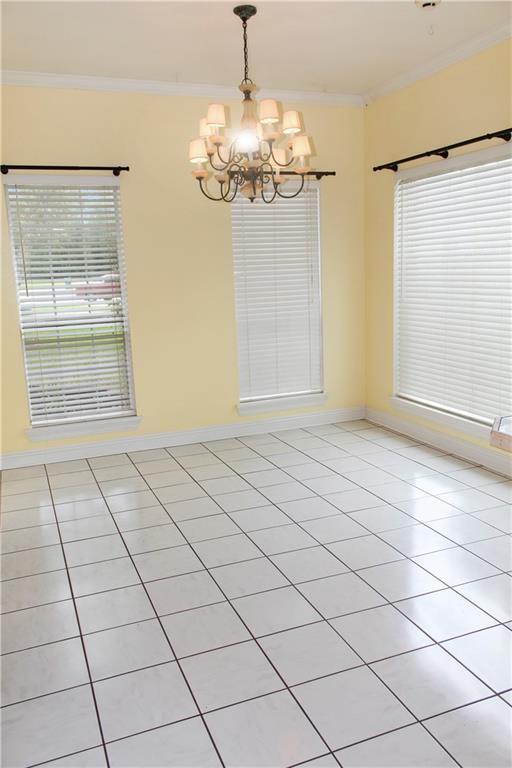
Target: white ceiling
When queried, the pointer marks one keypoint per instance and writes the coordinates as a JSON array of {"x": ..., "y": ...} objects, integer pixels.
[{"x": 334, "y": 47}]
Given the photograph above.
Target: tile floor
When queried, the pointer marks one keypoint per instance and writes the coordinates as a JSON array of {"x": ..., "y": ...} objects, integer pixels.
[{"x": 332, "y": 596}]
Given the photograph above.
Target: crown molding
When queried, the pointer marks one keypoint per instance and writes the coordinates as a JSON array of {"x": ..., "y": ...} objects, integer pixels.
[
  {"x": 161, "y": 88},
  {"x": 464, "y": 51}
]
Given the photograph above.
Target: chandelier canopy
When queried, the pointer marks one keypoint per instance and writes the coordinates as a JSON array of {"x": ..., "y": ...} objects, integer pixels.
[{"x": 258, "y": 159}]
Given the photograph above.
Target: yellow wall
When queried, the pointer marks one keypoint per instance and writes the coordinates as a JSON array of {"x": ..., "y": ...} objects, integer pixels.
[
  {"x": 467, "y": 99},
  {"x": 178, "y": 252}
]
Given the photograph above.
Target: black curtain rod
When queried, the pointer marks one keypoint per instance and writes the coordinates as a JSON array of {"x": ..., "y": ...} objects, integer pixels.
[
  {"x": 505, "y": 134},
  {"x": 116, "y": 169}
]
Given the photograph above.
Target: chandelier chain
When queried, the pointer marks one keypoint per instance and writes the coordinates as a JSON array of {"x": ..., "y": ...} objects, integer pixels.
[{"x": 246, "y": 79}]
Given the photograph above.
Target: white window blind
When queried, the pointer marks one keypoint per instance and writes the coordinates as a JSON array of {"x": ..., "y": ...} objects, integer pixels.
[
  {"x": 453, "y": 288},
  {"x": 67, "y": 247},
  {"x": 278, "y": 303}
]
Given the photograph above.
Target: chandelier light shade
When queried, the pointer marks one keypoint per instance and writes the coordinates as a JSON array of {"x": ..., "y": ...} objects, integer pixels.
[{"x": 256, "y": 160}]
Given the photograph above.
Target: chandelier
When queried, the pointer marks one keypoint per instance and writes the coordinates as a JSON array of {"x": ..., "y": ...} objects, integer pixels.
[{"x": 259, "y": 158}]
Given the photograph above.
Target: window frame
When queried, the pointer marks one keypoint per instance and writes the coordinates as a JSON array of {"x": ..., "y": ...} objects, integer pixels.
[
  {"x": 460, "y": 423},
  {"x": 93, "y": 423}
]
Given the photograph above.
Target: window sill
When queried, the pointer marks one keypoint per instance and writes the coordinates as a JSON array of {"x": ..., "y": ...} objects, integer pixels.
[
  {"x": 280, "y": 403},
  {"x": 78, "y": 428},
  {"x": 457, "y": 423}
]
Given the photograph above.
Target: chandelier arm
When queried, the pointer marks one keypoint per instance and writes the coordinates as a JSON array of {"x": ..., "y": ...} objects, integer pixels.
[
  {"x": 281, "y": 165},
  {"x": 221, "y": 167},
  {"x": 295, "y": 194},
  {"x": 207, "y": 194}
]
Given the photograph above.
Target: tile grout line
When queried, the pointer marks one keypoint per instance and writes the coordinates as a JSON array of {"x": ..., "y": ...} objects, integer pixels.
[{"x": 77, "y": 617}]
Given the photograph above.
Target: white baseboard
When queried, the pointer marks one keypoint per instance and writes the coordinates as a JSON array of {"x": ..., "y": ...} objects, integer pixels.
[
  {"x": 457, "y": 446},
  {"x": 164, "y": 439}
]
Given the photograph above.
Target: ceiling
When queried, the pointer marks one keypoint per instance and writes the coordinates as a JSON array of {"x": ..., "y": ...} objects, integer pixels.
[{"x": 334, "y": 47}]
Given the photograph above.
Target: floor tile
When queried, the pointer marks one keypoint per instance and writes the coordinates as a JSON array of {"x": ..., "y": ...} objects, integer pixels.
[
  {"x": 269, "y": 612},
  {"x": 428, "y": 508},
  {"x": 410, "y": 747},
  {"x": 500, "y": 491},
  {"x": 124, "y": 649},
  {"x": 27, "y": 518},
  {"x": 148, "y": 468},
  {"x": 364, "y": 551},
  {"x": 153, "y": 454},
  {"x": 74, "y": 465},
  {"x": 488, "y": 654},
  {"x": 469, "y": 500},
  {"x": 380, "y": 632},
  {"x": 167, "y": 562},
  {"x": 384, "y": 518},
  {"x": 115, "y": 472},
  {"x": 150, "y": 539},
  {"x": 259, "y": 518},
  {"x": 100, "y": 577},
  {"x": 351, "y": 706},
  {"x": 141, "y": 700},
  {"x": 87, "y": 528},
  {"x": 199, "y": 460},
  {"x": 180, "y": 745},
  {"x": 445, "y": 614},
  {"x": 45, "y": 728},
  {"x": 94, "y": 550},
  {"x": 28, "y": 538},
  {"x": 399, "y": 580},
  {"x": 75, "y": 510},
  {"x": 225, "y": 485},
  {"x": 476, "y": 477},
  {"x": 247, "y": 578},
  {"x": 37, "y": 626},
  {"x": 429, "y": 681},
  {"x": 29, "y": 500},
  {"x": 497, "y": 551},
  {"x": 250, "y": 465},
  {"x": 309, "y": 652},
  {"x": 308, "y": 564},
  {"x": 230, "y": 675},
  {"x": 499, "y": 517},
  {"x": 351, "y": 501},
  {"x": 308, "y": 509},
  {"x": 204, "y": 629},
  {"x": 180, "y": 593},
  {"x": 30, "y": 591},
  {"x": 204, "y": 528},
  {"x": 164, "y": 479},
  {"x": 266, "y": 477},
  {"x": 114, "y": 460},
  {"x": 464, "y": 529},
  {"x": 42, "y": 670},
  {"x": 76, "y": 493},
  {"x": 455, "y": 566},
  {"x": 335, "y": 528},
  {"x": 228, "y": 549},
  {"x": 258, "y": 733},
  {"x": 187, "y": 450},
  {"x": 284, "y": 538},
  {"x": 338, "y": 595},
  {"x": 210, "y": 471},
  {"x": 350, "y": 464},
  {"x": 135, "y": 519},
  {"x": 397, "y": 491},
  {"x": 111, "y": 609},
  {"x": 232, "y": 502},
  {"x": 123, "y": 502},
  {"x": 416, "y": 540},
  {"x": 187, "y": 510},
  {"x": 181, "y": 492},
  {"x": 493, "y": 595},
  {"x": 331, "y": 484},
  {"x": 31, "y": 562},
  {"x": 123, "y": 485},
  {"x": 289, "y": 458},
  {"x": 438, "y": 483},
  {"x": 21, "y": 473},
  {"x": 478, "y": 735}
]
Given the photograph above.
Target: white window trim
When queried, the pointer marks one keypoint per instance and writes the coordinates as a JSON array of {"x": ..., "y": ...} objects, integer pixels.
[
  {"x": 269, "y": 404},
  {"x": 458, "y": 423},
  {"x": 78, "y": 428}
]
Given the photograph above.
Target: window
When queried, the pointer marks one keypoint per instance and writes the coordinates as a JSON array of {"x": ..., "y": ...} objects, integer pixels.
[
  {"x": 278, "y": 303},
  {"x": 67, "y": 248},
  {"x": 453, "y": 286}
]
